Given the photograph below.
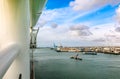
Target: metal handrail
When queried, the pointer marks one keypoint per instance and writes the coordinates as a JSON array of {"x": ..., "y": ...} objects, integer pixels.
[{"x": 7, "y": 56}]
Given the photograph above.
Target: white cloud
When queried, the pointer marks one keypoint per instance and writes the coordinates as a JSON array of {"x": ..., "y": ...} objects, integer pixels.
[
  {"x": 61, "y": 16},
  {"x": 118, "y": 14},
  {"x": 99, "y": 40},
  {"x": 80, "y": 30},
  {"x": 54, "y": 25},
  {"x": 47, "y": 33},
  {"x": 117, "y": 29},
  {"x": 117, "y": 26},
  {"x": 57, "y": 24},
  {"x": 79, "y": 27},
  {"x": 41, "y": 23},
  {"x": 104, "y": 35},
  {"x": 92, "y": 4},
  {"x": 57, "y": 15}
]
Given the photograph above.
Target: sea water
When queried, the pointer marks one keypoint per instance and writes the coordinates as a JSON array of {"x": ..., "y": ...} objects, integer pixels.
[{"x": 50, "y": 64}]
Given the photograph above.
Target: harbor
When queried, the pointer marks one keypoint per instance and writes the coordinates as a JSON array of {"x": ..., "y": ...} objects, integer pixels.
[
  {"x": 98, "y": 49},
  {"x": 50, "y": 64},
  {"x": 89, "y": 32}
]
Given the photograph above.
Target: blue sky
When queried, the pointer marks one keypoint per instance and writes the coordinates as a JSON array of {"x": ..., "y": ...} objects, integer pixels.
[
  {"x": 53, "y": 4},
  {"x": 80, "y": 23}
]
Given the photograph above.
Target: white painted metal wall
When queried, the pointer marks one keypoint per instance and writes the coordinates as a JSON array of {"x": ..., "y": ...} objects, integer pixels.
[{"x": 14, "y": 28}]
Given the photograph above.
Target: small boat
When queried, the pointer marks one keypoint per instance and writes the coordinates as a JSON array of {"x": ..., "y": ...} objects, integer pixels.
[
  {"x": 90, "y": 53},
  {"x": 76, "y": 57}
]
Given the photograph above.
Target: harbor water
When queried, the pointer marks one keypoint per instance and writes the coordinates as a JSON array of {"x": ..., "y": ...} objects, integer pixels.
[{"x": 50, "y": 64}]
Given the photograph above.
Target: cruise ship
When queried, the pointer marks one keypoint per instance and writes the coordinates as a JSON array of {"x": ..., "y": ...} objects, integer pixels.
[{"x": 17, "y": 18}]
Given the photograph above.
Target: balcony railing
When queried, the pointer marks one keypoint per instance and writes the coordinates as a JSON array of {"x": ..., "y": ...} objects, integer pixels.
[{"x": 7, "y": 56}]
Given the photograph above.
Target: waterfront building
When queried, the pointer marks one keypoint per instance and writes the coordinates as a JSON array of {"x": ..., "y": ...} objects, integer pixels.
[
  {"x": 99, "y": 49},
  {"x": 117, "y": 50}
]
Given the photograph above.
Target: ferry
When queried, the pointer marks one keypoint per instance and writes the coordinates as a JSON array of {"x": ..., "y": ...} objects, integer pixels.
[{"x": 17, "y": 20}]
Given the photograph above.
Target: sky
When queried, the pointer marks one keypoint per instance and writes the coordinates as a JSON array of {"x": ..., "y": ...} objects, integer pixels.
[{"x": 79, "y": 23}]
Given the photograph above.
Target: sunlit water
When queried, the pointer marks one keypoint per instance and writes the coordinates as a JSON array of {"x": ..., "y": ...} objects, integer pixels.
[{"x": 53, "y": 65}]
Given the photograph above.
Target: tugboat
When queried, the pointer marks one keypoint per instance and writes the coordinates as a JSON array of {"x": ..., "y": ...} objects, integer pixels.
[{"x": 76, "y": 57}]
